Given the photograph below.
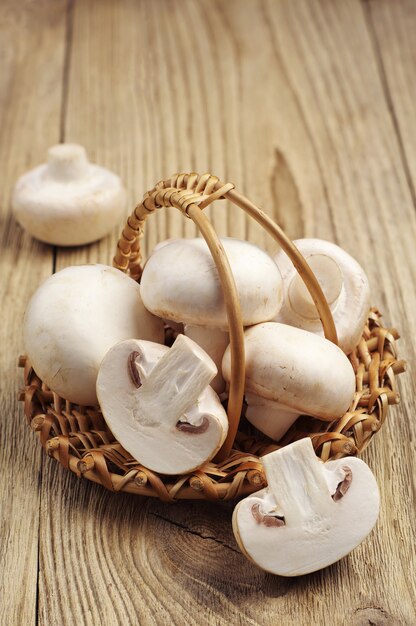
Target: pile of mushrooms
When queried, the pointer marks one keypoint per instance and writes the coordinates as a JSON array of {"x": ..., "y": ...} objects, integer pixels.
[
  {"x": 94, "y": 335},
  {"x": 180, "y": 283}
]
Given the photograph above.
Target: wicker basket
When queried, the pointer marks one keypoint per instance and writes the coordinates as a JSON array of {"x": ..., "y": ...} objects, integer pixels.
[{"x": 80, "y": 440}]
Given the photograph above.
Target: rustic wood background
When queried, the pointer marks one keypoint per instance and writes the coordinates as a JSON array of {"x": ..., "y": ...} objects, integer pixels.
[{"x": 310, "y": 109}]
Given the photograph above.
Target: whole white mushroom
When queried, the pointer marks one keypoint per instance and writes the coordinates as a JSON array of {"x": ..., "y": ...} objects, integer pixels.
[
  {"x": 345, "y": 286},
  {"x": 291, "y": 372},
  {"x": 180, "y": 282},
  {"x": 74, "y": 318},
  {"x": 68, "y": 201}
]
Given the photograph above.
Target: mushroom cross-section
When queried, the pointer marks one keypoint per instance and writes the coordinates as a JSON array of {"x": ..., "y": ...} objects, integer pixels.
[
  {"x": 291, "y": 372},
  {"x": 310, "y": 515},
  {"x": 345, "y": 286},
  {"x": 180, "y": 282},
  {"x": 158, "y": 403}
]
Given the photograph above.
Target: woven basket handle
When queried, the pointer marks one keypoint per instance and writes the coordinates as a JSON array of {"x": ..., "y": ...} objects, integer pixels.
[{"x": 191, "y": 193}]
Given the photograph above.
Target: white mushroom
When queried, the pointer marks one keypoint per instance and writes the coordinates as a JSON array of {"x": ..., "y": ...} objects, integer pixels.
[
  {"x": 176, "y": 327},
  {"x": 291, "y": 372},
  {"x": 158, "y": 403},
  {"x": 180, "y": 282},
  {"x": 69, "y": 201},
  {"x": 345, "y": 286},
  {"x": 73, "y": 319},
  {"x": 311, "y": 514}
]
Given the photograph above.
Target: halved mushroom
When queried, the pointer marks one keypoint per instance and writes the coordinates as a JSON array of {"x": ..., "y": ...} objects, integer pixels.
[
  {"x": 69, "y": 201},
  {"x": 158, "y": 403},
  {"x": 291, "y": 372},
  {"x": 345, "y": 286},
  {"x": 311, "y": 514},
  {"x": 180, "y": 282}
]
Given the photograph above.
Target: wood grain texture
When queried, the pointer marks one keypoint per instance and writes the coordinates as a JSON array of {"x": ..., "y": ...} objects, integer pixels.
[
  {"x": 391, "y": 26},
  {"x": 308, "y": 107},
  {"x": 31, "y": 52}
]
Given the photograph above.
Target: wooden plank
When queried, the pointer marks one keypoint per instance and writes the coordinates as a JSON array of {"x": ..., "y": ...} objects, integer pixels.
[
  {"x": 286, "y": 100},
  {"x": 392, "y": 26},
  {"x": 329, "y": 61},
  {"x": 32, "y": 53}
]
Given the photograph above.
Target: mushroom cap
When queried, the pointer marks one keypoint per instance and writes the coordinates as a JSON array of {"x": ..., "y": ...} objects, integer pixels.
[
  {"x": 72, "y": 320},
  {"x": 317, "y": 528},
  {"x": 146, "y": 430},
  {"x": 68, "y": 200},
  {"x": 180, "y": 282},
  {"x": 350, "y": 310},
  {"x": 297, "y": 369}
]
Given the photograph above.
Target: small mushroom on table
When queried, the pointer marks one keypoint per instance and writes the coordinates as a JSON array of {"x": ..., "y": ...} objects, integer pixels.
[
  {"x": 158, "y": 403},
  {"x": 69, "y": 201},
  {"x": 291, "y": 372},
  {"x": 345, "y": 286},
  {"x": 73, "y": 319},
  {"x": 311, "y": 514},
  {"x": 180, "y": 282}
]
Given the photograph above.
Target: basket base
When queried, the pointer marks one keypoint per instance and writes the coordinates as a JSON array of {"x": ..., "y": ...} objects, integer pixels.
[{"x": 80, "y": 440}]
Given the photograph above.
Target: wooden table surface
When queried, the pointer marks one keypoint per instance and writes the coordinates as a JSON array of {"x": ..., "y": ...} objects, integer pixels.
[{"x": 310, "y": 109}]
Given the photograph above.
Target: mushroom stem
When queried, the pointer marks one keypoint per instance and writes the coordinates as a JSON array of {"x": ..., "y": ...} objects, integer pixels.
[
  {"x": 174, "y": 384},
  {"x": 174, "y": 422},
  {"x": 67, "y": 162},
  {"x": 270, "y": 417},
  {"x": 214, "y": 341},
  {"x": 298, "y": 465},
  {"x": 330, "y": 279}
]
